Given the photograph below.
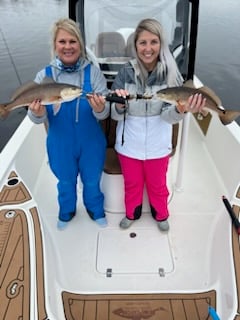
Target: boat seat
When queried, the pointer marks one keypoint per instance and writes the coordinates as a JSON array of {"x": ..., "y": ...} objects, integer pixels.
[
  {"x": 110, "y": 44},
  {"x": 130, "y": 46},
  {"x": 112, "y": 165}
]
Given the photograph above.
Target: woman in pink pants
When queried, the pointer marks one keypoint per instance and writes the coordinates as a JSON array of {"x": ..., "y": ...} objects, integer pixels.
[{"x": 144, "y": 129}]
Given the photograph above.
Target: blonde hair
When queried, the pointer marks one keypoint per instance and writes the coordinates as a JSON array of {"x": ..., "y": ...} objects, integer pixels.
[
  {"x": 71, "y": 27},
  {"x": 169, "y": 66}
]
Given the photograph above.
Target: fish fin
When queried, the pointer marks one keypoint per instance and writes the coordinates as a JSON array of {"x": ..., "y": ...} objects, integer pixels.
[
  {"x": 3, "y": 111},
  {"x": 229, "y": 116},
  {"x": 180, "y": 106},
  {"x": 22, "y": 88},
  {"x": 52, "y": 100},
  {"x": 189, "y": 83},
  {"x": 211, "y": 93},
  {"x": 204, "y": 89},
  {"x": 28, "y": 86},
  {"x": 55, "y": 98},
  {"x": 48, "y": 80},
  {"x": 56, "y": 108}
]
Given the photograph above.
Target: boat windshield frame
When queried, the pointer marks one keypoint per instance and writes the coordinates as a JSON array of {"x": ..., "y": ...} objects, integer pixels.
[{"x": 111, "y": 23}]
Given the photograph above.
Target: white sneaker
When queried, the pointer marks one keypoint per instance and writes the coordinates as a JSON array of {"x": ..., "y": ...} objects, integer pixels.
[
  {"x": 163, "y": 225},
  {"x": 125, "y": 223}
]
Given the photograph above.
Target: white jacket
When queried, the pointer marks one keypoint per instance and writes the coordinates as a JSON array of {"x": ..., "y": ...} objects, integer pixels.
[{"x": 145, "y": 131}]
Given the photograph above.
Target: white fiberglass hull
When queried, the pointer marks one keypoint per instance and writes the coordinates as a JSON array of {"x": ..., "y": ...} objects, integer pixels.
[{"x": 195, "y": 257}]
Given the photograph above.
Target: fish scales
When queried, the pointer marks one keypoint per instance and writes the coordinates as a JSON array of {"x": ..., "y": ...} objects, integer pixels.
[
  {"x": 181, "y": 94},
  {"x": 49, "y": 93}
]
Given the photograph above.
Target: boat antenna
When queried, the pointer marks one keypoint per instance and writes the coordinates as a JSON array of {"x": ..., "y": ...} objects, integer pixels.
[{"x": 10, "y": 56}]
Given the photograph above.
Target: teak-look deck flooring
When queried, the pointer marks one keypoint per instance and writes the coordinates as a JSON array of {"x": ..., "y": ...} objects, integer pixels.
[{"x": 15, "y": 276}]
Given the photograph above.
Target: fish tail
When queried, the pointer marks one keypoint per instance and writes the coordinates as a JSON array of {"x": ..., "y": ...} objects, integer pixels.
[
  {"x": 229, "y": 116},
  {"x": 3, "y": 111}
]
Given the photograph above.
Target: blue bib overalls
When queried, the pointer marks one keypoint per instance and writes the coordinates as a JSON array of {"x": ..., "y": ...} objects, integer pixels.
[{"x": 76, "y": 145}]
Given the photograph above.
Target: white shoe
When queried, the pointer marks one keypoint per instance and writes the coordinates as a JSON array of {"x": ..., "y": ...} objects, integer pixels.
[
  {"x": 126, "y": 223},
  {"x": 163, "y": 225}
]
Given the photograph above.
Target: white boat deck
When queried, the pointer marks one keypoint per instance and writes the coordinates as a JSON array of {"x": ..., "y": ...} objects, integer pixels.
[
  {"x": 83, "y": 251},
  {"x": 194, "y": 256}
]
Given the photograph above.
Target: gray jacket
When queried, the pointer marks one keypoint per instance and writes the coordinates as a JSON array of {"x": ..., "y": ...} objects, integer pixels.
[
  {"x": 145, "y": 130},
  {"x": 98, "y": 83}
]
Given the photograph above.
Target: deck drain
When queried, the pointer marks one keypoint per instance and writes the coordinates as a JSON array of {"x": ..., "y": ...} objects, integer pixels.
[
  {"x": 10, "y": 214},
  {"x": 133, "y": 235},
  {"x": 12, "y": 181}
]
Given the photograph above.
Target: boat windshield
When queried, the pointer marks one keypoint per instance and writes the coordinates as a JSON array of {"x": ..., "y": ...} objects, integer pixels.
[
  {"x": 108, "y": 28},
  {"x": 123, "y": 17}
]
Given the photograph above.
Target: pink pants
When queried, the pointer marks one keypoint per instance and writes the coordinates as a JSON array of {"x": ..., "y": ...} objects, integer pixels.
[{"x": 151, "y": 173}]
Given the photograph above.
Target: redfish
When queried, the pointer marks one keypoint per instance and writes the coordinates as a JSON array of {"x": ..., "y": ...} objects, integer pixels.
[
  {"x": 180, "y": 95},
  {"x": 48, "y": 92}
]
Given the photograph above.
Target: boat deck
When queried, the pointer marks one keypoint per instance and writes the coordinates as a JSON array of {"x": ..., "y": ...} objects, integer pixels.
[
  {"x": 16, "y": 278},
  {"x": 172, "y": 276}
]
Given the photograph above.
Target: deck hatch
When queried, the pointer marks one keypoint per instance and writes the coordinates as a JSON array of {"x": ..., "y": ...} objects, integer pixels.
[{"x": 123, "y": 253}]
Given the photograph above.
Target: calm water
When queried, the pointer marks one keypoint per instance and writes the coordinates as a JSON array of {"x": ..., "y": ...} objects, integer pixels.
[
  {"x": 218, "y": 49},
  {"x": 25, "y": 49}
]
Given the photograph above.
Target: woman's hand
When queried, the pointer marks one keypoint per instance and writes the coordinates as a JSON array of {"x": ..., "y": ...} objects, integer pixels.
[
  {"x": 37, "y": 108},
  {"x": 96, "y": 101},
  {"x": 121, "y": 93},
  {"x": 195, "y": 104}
]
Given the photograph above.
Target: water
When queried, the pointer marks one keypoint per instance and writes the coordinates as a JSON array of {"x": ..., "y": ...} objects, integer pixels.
[
  {"x": 25, "y": 48},
  {"x": 218, "y": 49}
]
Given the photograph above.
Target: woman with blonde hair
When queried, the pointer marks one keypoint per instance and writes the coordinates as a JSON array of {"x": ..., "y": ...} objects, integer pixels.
[
  {"x": 144, "y": 129},
  {"x": 75, "y": 141}
]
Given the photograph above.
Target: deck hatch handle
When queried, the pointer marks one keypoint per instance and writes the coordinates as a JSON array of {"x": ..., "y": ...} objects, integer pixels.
[
  {"x": 161, "y": 272},
  {"x": 109, "y": 272}
]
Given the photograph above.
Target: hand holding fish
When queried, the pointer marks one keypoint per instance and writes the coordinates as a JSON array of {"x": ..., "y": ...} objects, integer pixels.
[
  {"x": 194, "y": 104},
  {"x": 37, "y": 108},
  {"x": 119, "y": 96},
  {"x": 49, "y": 92},
  {"x": 96, "y": 101},
  {"x": 121, "y": 93},
  {"x": 181, "y": 95}
]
